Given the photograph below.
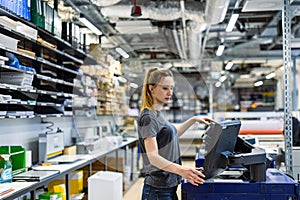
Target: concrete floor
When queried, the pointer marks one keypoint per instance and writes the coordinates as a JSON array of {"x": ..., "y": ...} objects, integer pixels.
[{"x": 135, "y": 191}]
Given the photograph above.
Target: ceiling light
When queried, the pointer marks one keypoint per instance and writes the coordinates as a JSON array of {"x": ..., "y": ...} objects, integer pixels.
[
  {"x": 182, "y": 64},
  {"x": 258, "y": 83},
  {"x": 133, "y": 85},
  {"x": 232, "y": 22},
  {"x": 91, "y": 26},
  {"x": 218, "y": 84},
  {"x": 220, "y": 49},
  {"x": 222, "y": 78},
  {"x": 136, "y": 11},
  {"x": 229, "y": 65},
  {"x": 271, "y": 75},
  {"x": 123, "y": 53},
  {"x": 122, "y": 79}
]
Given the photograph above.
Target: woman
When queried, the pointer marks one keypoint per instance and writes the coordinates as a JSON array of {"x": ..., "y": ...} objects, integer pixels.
[{"x": 159, "y": 140}]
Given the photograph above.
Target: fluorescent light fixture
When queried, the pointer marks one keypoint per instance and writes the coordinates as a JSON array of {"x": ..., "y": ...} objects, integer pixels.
[
  {"x": 91, "y": 26},
  {"x": 133, "y": 85},
  {"x": 220, "y": 50},
  {"x": 222, "y": 78},
  {"x": 122, "y": 79},
  {"x": 218, "y": 84},
  {"x": 182, "y": 64},
  {"x": 229, "y": 65},
  {"x": 282, "y": 68},
  {"x": 232, "y": 22},
  {"x": 258, "y": 83},
  {"x": 122, "y": 52},
  {"x": 271, "y": 75}
]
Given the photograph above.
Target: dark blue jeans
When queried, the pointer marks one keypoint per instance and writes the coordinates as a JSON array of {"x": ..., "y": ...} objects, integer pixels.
[{"x": 153, "y": 193}]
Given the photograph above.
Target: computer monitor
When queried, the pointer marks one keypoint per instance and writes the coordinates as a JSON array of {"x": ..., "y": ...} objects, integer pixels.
[{"x": 219, "y": 141}]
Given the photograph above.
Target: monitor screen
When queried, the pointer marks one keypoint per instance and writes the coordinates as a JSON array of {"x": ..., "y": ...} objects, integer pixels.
[{"x": 218, "y": 141}]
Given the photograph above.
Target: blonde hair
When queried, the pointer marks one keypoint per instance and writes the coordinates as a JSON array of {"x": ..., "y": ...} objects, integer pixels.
[{"x": 152, "y": 77}]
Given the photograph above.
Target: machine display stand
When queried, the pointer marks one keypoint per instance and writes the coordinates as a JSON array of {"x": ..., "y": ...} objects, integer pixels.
[
  {"x": 277, "y": 186},
  {"x": 255, "y": 180}
]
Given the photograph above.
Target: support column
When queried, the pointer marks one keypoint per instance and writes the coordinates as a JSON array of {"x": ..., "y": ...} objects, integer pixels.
[{"x": 288, "y": 136}]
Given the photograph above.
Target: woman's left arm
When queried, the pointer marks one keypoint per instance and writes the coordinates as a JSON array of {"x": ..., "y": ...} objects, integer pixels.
[{"x": 181, "y": 128}]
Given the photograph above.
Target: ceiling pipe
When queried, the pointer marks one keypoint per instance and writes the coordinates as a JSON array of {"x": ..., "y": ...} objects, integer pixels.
[
  {"x": 194, "y": 52},
  {"x": 215, "y": 11},
  {"x": 105, "y": 2},
  {"x": 205, "y": 39},
  {"x": 184, "y": 37},
  {"x": 175, "y": 36},
  {"x": 195, "y": 32},
  {"x": 182, "y": 42},
  {"x": 162, "y": 13}
]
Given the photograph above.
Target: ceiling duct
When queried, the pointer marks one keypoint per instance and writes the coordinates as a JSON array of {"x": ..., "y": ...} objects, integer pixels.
[
  {"x": 105, "y": 2},
  {"x": 182, "y": 42},
  {"x": 167, "y": 11},
  {"x": 215, "y": 11},
  {"x": 163, "y": 11},
  {"x": 176, "y": 40},
  {"x": 195, "y": 41}
]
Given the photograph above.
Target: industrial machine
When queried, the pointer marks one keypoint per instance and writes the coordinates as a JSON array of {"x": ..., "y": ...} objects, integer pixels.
[
  {"x": 234, "y": 169},
  {"x": 50, "y": 145}
]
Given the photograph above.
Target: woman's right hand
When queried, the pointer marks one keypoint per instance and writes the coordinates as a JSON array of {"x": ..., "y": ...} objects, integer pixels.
[{"x": 192, "y": 175}]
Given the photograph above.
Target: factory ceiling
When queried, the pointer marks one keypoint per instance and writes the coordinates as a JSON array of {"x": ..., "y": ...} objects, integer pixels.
[{"x": 186, "y": 33}]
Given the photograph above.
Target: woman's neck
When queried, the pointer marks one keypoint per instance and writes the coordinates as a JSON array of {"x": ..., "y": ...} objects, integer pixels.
[{"x": 157, "y": 107}]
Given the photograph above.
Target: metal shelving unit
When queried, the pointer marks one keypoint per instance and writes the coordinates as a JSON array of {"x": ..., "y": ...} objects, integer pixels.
[{"x": 288, "y": 134}]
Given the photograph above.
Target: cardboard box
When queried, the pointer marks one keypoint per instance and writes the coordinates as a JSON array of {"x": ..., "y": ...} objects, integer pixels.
[{"x": 71, "y": 150}]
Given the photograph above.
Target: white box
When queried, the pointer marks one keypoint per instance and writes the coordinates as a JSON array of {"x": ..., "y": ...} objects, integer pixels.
[
  {"x": 8, "y": 42},
  {"x": 19, "y": 27},
  {"x": 105, "y": 185},
  {"x": 295, "y": 156},
  {"x": 8, "y": 23},
  {"x": 26, "y": 30},
  {"x": 296, "y": 163}
]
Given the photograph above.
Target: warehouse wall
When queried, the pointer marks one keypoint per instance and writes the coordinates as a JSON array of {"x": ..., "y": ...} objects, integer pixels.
[{"x": 25, "y": 132}]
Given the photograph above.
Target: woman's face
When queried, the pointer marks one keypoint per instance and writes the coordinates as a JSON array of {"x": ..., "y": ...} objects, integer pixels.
[{"x": 163, "y": 91}]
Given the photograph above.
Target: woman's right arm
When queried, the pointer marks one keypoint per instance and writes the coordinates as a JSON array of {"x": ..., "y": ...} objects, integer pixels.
[{"x": 190, "y": 174}]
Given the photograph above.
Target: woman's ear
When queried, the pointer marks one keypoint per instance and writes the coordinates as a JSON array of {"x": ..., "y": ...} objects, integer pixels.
[{"x": 151, "y": 88}]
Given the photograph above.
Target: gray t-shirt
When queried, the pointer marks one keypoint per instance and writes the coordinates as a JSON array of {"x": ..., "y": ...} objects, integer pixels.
[{"x": 151, "y": 125}]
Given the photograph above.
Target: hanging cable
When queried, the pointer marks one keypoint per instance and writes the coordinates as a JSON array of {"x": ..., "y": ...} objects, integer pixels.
[{"x": 49, "y": 128}]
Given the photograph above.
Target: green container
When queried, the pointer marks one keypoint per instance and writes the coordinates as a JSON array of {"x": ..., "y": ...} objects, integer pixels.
[
  {"x": 48, "y": 196},
  {"x": 17, "y": 158}
]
